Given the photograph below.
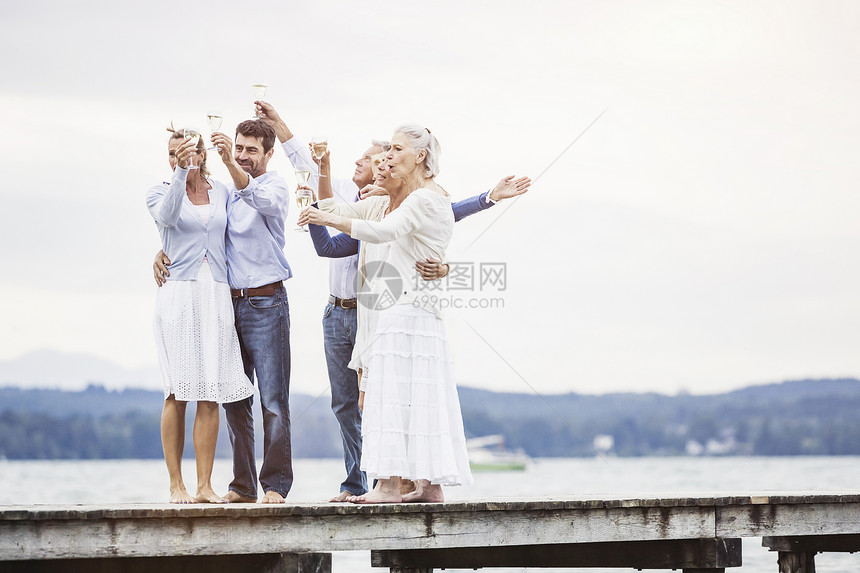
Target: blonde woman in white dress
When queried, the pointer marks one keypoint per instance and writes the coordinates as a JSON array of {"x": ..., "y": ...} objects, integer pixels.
[
  {"x": 412, "y": 427},
  {"x": 198, "y": 350}
]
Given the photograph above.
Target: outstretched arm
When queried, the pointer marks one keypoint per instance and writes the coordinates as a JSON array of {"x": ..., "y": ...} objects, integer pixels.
[
  {"x": 339, "y": 246},
  {"x": 314, "y": 216},
  {"x": 505, "y": 189}
]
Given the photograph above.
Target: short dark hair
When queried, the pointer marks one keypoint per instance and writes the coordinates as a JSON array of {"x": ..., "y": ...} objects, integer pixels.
[{"x": 258, "y": 128}]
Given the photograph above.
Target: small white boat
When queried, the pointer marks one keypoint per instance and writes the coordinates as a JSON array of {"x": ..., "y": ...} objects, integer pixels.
[{"x": 489, "y": 454}]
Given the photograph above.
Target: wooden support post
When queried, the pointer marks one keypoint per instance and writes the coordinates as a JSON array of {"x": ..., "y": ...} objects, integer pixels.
[
  {"x": 791, "y": 562},
  {"x": 797, "y": 552},
  {"x": 252, "y": 563},
  {"x": 691, "y": 555}
]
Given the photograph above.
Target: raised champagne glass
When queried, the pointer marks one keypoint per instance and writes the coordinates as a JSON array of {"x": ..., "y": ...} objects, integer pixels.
[
  {"x": 304, "y": 197},
  {"x": 319, "y": 144},
  {"x": 192, "y": 135},
  {"x": 213, "y": 121},
  {"x": 259, "y": 93}
]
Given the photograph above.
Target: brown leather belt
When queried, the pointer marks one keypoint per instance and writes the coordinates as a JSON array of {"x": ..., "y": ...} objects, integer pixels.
[
  {"x": 346, "y": 303},
  {"x": 265, "y": 290}
]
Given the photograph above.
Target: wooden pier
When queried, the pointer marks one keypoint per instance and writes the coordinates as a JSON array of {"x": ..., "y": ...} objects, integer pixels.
[{"x": 695, "y": 534}]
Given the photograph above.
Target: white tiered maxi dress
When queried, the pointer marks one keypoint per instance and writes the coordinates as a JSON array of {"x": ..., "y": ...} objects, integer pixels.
[{"x": 412, "y": 426}]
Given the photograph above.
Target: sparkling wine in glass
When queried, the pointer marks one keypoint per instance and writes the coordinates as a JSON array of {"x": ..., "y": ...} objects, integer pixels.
[
  {"x": 259, "y": 93},
  {"x": 214, "y": 120},
  {"x": 319, "y": 144},
  {"x": 194, "y": 136},
  {"x": 303, "y": 175},
  {"x": 303, "y": 197}
]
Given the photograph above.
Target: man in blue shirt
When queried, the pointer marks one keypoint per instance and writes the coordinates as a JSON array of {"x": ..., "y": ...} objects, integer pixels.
[{"x": 256, "y": 269}]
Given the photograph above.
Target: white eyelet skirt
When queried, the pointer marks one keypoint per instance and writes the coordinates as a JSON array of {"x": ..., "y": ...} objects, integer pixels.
[
  {"x": 198, "y": 350},
  {"x": 411, "y": 425}
]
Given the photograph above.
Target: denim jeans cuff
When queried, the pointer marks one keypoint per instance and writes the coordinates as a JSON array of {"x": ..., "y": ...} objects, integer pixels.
[{"x": 243, "y": 494}]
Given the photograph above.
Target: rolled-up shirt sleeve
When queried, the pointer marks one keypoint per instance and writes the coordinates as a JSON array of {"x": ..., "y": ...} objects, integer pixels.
[
  {"x": 165, "y": 202},
  {"x": 300, "y": 157},
  {"x": 270, "y": 198}
]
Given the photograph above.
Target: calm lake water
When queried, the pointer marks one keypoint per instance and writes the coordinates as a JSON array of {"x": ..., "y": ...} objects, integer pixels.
[{"x": 125, "y": 481}]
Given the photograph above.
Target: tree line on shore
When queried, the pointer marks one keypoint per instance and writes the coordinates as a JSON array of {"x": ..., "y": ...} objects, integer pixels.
[{"x": 805, "y": 417}]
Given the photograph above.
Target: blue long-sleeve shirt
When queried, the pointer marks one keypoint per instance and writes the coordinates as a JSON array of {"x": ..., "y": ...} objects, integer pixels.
[
  {"x": 342, "y": 245},
  {"x": 255, "y": 232}
]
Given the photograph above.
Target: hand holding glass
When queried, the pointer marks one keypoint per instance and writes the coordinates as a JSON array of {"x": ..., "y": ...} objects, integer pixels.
[
  {"x": 194, "y": 137},
  {"x": 319, "y": 144},
  {"x": 213, "y": 120},
  {"x": 304, "y": 198},
  {"x": 259, "y": 93}
]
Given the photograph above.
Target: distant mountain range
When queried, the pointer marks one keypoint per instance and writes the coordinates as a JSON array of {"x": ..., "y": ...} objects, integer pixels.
[
  {"x": 52, "y": 369},
  {"x": 789, "y": 418}
]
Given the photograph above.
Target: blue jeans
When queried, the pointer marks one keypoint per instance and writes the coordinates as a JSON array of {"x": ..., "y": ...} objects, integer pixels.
[
  {"x": 339, "y": 326},
  {"x": 263, "y": 327}
]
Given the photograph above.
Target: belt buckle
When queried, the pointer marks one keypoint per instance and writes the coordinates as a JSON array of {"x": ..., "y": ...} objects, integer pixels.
[{"x": 242, "y": 293}]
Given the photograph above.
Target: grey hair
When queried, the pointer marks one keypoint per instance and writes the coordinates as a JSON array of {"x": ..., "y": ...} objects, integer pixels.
[
  {"x": 420, "y": 138},
  {"x": 385, "y": 145}
]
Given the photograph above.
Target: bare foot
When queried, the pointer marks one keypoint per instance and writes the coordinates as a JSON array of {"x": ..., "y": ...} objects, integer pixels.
[
  {"x": 425, "y": 492},
  {"x": 375, "y": 496},
  {"x": 341, "y": 497},
  {"x": 273, "y": 497},
  {"x": 406, "y": 486},
  {"x": 233, "y": 497},
  {"x": 208, "y": 495},
  {"x": 179, "y": 495}
]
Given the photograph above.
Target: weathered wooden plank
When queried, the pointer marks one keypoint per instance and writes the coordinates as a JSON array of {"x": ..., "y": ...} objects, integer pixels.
[
  {"x": 780, "y": 519},
  {"x": 221, "y": 534},
  {"x": 272, "y": 563},
  {"x": 679, "y": 554},
  {"x": 152, "y": 530},
  {"x": 52, "y": 512},
  {"x": 813, "y": 543}
]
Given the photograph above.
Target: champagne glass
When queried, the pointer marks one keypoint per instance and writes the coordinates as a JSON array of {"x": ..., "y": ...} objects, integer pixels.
[
  {"x": 304, "y": 197},
  {"x": 213, "y": 120},
  {"x": 319, "y": 144},
  {"x": 194, "y": 136},
  {"x": 303, "y": 174},
  {"x": 259, "y": 93}
]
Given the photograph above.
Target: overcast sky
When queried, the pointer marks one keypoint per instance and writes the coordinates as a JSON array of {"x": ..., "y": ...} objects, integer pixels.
[{"x": 702, "y": 235}]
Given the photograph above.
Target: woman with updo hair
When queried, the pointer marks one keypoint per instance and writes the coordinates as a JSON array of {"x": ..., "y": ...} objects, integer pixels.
[
  {"x": 412, "y": 427},
  {"x": 198, "y": 350}
]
